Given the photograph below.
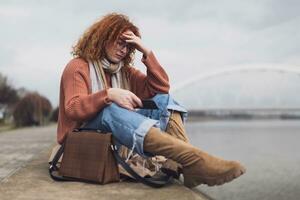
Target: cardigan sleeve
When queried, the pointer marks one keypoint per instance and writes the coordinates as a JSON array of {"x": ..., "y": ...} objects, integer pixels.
[
  {"x": 79, "y": 105},
  {"x": 156, "y": 80}
]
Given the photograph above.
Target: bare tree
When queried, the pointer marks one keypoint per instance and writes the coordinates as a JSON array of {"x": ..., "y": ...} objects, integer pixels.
[
  {"x": 32, "y": 109},
  {"x": 8, "y": 95}
]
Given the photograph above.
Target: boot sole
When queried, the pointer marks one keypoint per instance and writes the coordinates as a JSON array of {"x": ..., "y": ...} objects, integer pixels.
[{"x": 212, "y": 181}]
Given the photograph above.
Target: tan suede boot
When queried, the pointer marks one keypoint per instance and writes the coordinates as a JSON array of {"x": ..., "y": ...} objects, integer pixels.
[
  {"x": 175, "y": 128},
  {"x": 198, "y": 166}
]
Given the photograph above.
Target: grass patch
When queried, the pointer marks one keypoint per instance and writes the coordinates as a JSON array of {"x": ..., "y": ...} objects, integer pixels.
[{"x": 6, "y": 127}]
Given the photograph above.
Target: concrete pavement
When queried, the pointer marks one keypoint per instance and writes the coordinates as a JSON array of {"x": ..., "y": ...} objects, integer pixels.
[{"x": 24, "y": 172}]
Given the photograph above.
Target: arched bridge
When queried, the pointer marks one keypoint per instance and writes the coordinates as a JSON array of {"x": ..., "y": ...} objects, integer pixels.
[{"x": 227, "y": 70}]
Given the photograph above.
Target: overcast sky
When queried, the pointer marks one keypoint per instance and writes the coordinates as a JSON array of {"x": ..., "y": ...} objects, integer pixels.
[{"x": 188, "y": 37}]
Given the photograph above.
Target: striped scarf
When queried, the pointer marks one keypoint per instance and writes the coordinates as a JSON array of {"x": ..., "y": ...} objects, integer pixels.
[{"x": 97, "y": 75}]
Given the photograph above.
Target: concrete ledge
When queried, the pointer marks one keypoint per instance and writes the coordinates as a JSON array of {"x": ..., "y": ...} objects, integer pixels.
[{"x": 33, "y": 182}]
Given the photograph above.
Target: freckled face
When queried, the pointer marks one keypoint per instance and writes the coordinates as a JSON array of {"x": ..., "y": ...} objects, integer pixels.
[{"x": 116, "y": 51}]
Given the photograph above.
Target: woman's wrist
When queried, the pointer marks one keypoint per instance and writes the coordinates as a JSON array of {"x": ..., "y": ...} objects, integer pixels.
[
  {"x": 109, "y": 93},
  {"x": 146, "y": 52}
]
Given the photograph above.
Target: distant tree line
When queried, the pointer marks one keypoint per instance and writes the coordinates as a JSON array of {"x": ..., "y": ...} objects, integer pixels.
[{"x": 24, "y": 108}]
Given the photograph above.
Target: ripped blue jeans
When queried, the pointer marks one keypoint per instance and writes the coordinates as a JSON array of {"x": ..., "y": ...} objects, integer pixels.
[{"x": 130, "y": 127}]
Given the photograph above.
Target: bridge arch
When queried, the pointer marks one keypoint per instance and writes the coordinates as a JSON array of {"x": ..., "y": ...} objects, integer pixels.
[{"x": 205, "y": 75}]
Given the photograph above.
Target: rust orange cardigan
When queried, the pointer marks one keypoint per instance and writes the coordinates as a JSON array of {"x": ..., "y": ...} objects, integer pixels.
[{"x": 77, "y": 104}]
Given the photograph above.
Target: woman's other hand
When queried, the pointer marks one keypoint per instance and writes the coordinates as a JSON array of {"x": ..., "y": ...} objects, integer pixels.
[{"x": 124, "y": 98}]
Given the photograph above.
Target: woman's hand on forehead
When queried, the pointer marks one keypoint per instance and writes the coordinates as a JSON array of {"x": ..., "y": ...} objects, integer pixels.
[{"x": 131, "y": 38}]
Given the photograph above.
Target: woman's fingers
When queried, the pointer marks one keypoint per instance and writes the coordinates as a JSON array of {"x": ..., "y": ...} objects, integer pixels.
[
  {"x": 137, "y": 100},
  {"x": 128, "y": 106},
  {"x": 130, "y": 41},
  {"x": 130, "y": 100},
  {"x": 133, "y": 103},
  {"x": 125, "y": 98},
  {"x": 129, "y": 36},
  {"x": 128, "y": 32},
  {"x": 125, "y": 36}
]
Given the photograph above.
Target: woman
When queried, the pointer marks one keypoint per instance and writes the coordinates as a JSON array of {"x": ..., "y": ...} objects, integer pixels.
[{"x": 101, "y": 90}]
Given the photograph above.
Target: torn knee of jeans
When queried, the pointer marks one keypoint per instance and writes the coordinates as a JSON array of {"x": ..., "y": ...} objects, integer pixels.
[{"x": 133, "y": 147}]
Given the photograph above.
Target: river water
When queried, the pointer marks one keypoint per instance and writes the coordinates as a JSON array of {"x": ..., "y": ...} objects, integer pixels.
[{"x": 269, "y": 149}]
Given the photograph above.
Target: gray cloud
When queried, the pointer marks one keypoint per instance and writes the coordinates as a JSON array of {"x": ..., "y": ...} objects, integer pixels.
[{"x": 188, "y": 37}]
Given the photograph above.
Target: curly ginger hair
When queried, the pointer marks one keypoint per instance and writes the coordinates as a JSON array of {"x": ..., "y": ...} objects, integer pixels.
[{"x": 91, "y": 45}]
